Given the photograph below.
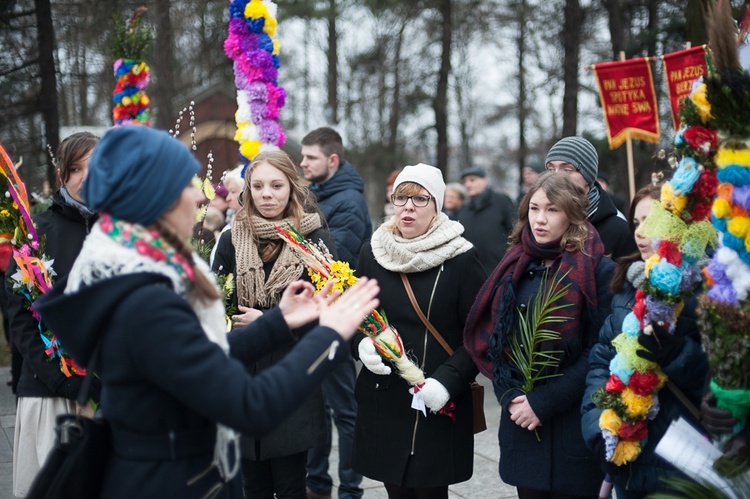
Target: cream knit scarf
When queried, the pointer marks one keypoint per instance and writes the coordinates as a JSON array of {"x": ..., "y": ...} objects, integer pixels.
[
  {"x": 440, "y": 243},
  {"x": 253, "y": 289},
  {"x": 105, "y": 255}
]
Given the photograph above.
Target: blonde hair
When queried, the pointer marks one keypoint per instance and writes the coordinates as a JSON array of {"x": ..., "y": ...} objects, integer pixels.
[
  {"x": 299, "y": 203},
  {"x": 566, "y": 195},
  {"x": 408, "y": 189}
]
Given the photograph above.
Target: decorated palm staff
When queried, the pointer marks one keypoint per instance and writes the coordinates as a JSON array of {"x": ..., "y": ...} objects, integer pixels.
[
  {"x": 725, "y": 325},
  {"x": 132, "y": 40},
  {"x": 253, "y": 47},
  {"x": 323, "y": 269}
]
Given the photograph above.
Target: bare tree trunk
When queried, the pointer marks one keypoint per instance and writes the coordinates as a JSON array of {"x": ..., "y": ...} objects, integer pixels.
[
  {"x": 522, "y": 105},
  {"x": 333, "y": 59},
  {"x": 616, "y": 30},
  {"x": 571, "y": 43},
  {"x": 441, "y": 95},
  {"x": 48, "y": 72},
  {"x": 165, "y": 89},
  {"x": 395, "y": 117},
  {"x": 695, "y": 21}
]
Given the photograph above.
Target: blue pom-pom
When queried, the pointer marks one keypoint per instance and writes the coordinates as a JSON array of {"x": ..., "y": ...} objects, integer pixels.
[{"x": 631, "y": 325}]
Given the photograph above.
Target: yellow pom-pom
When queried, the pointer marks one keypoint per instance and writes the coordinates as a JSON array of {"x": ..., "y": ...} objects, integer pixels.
[
  {"x": 652, "y": 260},
  {"x": 250, "y": 149},
  {"x": 726, "y": 157},
  {"x": 255, "y": 10},
  {"x": 636, "y": 406},
  {"x": 126, "y": 101},
  {"x": 145, "y": 101},
  {"x": 270, "y": 26},
  {"x": 739, "y": 226},
  {"x": 700, "y": 99},
  {"x": 721, "y": 209},
  {"x": 610, "y": 421},
  {"x": 275, "y": 47},
  {"x": 625, "y": 452}
]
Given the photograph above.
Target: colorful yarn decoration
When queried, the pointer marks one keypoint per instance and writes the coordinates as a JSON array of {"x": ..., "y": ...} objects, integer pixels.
[
  {"x": 253, "y": 47},
  {"x": 131, "y": 40},
  {"x": 724, "y": 312},
  {"x": 130, "y": 99},
  {"x": 680, "y": 230}
]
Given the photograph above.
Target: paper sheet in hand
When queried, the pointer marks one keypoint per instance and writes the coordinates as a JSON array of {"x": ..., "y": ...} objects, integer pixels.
[{"x": 690, "y": 452}]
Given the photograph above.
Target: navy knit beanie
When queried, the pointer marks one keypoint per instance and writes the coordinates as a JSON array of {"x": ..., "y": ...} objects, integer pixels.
[
  {"x": 580, "y": 153},
  {"x": 136, "y": 173}
]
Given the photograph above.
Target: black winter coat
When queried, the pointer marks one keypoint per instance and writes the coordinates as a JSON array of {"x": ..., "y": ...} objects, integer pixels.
[
  {"x": 345, "y": 210},
  {"x": 165, "y": 381},
  {"x": 64, "y": 229},
  {"x": 559, "y": 459},
  {"x": 388, "y": 432},
  {"x": 487, "y": 221},
  {"x": 613, "y": 230},
  {"x": 688, "y": 371},
  {"x": 306, "y": 426}
]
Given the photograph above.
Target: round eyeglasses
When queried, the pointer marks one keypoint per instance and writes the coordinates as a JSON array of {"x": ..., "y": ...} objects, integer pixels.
[{"x": 420, "y": 200}]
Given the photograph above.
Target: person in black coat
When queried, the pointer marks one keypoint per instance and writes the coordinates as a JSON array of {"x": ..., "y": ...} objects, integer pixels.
[
  {"x": 487, "y": 216},
  {"x": 45, "y": 387},
  {"x": 680, "y": 357},
  {"x": 174, "y": 383},
  {"x": 578, "y": 158},
  {"x": 263, "y": 266},
  {"x": 542, "y": 451},
  {"x": 418, "y": 454}
]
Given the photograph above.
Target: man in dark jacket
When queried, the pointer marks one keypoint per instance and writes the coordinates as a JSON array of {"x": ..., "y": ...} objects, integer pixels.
[
  {"x": 488, "y": 218},
  {"x": 577, "y": 157},
  {"x": 338, "y": 188}
]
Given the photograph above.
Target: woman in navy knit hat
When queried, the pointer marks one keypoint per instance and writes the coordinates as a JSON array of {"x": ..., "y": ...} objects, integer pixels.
[{"x": 173, "y": 390}]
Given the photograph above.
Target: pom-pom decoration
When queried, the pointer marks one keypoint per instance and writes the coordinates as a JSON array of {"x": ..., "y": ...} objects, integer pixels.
[
  {"x": 132, "y": 39},
  {"x": 253, "y": 47}
]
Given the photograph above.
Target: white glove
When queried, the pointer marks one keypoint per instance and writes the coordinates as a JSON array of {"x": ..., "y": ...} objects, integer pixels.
[
  {"x": 371, "y": 359},
  {"x": 435, "y": 395}
]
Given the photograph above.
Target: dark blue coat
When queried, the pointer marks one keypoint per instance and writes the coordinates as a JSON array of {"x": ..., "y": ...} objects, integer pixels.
[
  {"x": 343, "y": 206},
  {"x": 164, "y": 380},
  {"x": 559, "y": 460},
  {"x": 688, "y": 371}
]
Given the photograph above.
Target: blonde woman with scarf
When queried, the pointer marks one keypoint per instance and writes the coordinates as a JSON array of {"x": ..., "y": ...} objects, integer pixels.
[
  {"x": 418, "y": 454},
  {"x": 174, "y": 384},
  {"x": 264, "y": 266}
]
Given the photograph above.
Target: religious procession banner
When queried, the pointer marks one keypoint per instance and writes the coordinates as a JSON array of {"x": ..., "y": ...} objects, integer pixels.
[
  {"x": 682, "y": 69},
  {"x": 626, "y": 90}
]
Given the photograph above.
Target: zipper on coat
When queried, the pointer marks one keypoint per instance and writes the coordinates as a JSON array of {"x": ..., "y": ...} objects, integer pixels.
[
  {"x": 424, "y": 358},
  {"x": 329, "y": 352}
]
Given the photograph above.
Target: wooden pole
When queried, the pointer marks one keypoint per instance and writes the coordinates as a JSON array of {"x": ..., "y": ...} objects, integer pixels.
[{"x": 629, "y": 149}]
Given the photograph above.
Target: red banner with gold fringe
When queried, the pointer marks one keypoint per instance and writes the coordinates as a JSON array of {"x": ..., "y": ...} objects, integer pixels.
[
  {"x": 682, "y": 69},
  {"x": 626, "y": 90}
]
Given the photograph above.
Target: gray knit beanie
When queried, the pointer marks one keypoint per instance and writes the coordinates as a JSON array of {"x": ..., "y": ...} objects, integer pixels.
[{"x": 580, "y": 153}]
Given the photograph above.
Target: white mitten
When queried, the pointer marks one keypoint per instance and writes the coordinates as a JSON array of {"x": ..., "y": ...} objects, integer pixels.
[
  {"x": 435, "y": 395},
  {"x": 371, "y": 359}
]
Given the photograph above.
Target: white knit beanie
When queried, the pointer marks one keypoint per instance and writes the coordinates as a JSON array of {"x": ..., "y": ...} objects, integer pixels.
[{"x": 428, "y": 177}]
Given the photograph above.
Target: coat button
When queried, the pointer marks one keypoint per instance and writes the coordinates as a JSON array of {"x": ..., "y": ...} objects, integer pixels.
[
  {"x": 377, "y": 385},
  {"x": 522, "y": 307},
  {"x": 531, "y": 274}
]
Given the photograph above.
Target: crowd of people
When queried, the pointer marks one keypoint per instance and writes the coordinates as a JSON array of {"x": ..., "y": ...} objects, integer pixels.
[{"x": 196, "y": 410}]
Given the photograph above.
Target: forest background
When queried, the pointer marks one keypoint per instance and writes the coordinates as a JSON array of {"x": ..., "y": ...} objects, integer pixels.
[{"x": 453, "y": 83}]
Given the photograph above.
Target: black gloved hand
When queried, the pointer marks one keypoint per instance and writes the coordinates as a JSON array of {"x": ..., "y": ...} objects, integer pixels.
[
  {"x": 716, "y": 421},
  {"x": 70, "y": 388},
  {"x": 660, "y": 346},
  {"x": 600, "y": 452}
]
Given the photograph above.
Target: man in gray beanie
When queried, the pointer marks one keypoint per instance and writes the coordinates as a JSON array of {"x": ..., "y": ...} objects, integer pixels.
[{"x": 577, "y": 157}]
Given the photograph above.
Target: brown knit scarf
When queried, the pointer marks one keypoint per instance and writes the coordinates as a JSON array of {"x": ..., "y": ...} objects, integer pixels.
[{"x": 253, "y": 290}]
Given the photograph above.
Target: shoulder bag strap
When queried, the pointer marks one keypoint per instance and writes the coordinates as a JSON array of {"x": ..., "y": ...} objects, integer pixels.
[{"x": 421, "y": 315}]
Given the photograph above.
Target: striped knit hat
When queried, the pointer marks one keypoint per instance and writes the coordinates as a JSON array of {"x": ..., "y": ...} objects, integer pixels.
[{"x": 578, "y": 152}]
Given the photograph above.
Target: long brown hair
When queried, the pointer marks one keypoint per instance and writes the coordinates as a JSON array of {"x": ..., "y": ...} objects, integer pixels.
[
  {"x": 300, "y": 202},
  {"x": 623, "y": 263},
  {"x": 566, "y": 195}
]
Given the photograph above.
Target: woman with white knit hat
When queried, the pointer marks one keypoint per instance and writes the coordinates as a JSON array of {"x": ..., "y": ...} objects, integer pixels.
[{"x": 418, "y": 454}]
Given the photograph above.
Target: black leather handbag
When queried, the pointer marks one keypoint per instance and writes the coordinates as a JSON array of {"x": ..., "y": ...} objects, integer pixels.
[{"x": 75, "y": 467}]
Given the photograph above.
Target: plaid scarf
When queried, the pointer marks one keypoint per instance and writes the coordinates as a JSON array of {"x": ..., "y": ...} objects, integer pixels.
[{"x": 492, "y": 317}]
